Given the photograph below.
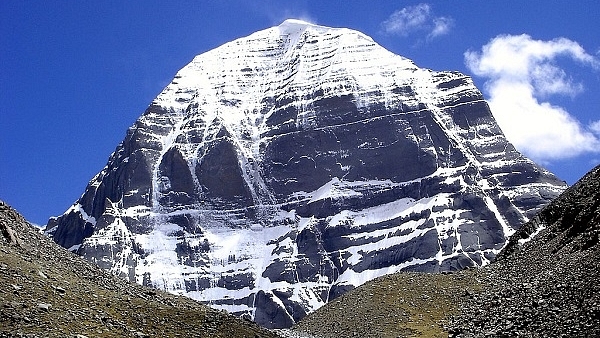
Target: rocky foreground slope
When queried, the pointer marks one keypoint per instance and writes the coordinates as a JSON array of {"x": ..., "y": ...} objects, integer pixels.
[
  {"x": 46, "y": 291},
  {"x": 284, "y": 168},
  {"x": 545, "y": 286},
  {"x": 548, "y": 286}
]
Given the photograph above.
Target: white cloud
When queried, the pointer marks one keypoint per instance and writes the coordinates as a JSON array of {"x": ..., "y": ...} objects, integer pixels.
[
  {"x": 522, "y": 75},
  {"x": 595, "y": 127},
  {"x": 417, "y": 18},
  {"x": 442, "y": 26}
]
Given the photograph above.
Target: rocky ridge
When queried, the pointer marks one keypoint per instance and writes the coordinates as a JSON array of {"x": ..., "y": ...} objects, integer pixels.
[
  {"x": 46, "y": 291},
  {"x": 282, "y": 169}
]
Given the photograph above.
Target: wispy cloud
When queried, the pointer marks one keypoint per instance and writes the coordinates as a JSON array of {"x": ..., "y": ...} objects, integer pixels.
[
  {"x": 522, "y": 76},
  {"x": 419, "y": 18},
  {"x": 595, "y": 127},
  {"x": 277, "y": 14},
  {"x": 441, "y": 26}
]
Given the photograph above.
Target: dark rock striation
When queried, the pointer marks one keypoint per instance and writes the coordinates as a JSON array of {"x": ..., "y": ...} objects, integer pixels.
[{"x": 282, "y": 169}]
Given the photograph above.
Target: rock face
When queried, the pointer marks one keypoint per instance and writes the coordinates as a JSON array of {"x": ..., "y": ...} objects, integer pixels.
[{"x": 284, "y": 168}]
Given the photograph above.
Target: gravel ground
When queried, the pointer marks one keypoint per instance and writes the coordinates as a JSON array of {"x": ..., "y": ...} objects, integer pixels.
[{"x": 398, "y": 305}]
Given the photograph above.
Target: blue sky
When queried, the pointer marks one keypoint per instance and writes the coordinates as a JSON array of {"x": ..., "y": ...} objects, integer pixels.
[{"x": 74, "y": 75}]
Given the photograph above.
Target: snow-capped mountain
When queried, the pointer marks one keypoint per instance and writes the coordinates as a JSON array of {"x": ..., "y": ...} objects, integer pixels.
[{"x": 282, "y": 169}]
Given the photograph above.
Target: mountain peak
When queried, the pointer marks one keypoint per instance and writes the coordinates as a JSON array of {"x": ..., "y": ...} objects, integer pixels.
[
  {"x": 296, "y": 22},
  {"x": 297, "y": 27},
  {"x": 281, "y": 169}
]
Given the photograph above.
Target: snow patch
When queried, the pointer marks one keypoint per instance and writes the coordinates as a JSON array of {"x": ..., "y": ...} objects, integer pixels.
[{"x": 535, "y": 233}]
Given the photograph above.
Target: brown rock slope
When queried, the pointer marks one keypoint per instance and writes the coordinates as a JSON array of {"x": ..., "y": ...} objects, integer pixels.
[
  {"x": 548, "y": 286},
  {"x": 46, "y": 291}
]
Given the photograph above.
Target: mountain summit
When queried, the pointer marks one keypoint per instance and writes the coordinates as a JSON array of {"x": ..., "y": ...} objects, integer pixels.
[{"x": 282, "y": 169}]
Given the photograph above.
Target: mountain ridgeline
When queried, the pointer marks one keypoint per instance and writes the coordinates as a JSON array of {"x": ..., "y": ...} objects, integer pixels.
[{"x": 282, "y": 169}]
